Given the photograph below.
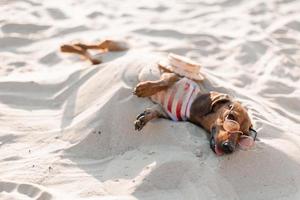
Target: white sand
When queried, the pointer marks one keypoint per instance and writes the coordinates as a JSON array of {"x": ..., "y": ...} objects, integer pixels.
[{"x": 66, "y": 126}]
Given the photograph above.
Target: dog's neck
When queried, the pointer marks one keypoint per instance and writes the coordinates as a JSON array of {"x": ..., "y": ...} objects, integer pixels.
[{"x": 208, "y": 120}]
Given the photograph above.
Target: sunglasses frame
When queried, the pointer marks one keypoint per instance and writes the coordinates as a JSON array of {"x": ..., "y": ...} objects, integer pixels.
[
  {"x": 231, "y": 121},
  {"x": 255, "y": 133},
  {"x": 251, "y": 129}
]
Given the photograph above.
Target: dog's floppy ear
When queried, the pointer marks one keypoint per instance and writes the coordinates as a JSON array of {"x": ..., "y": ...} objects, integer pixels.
[
  {"x": 204, "y": 103},
  {"x": 218, "y": 98}
]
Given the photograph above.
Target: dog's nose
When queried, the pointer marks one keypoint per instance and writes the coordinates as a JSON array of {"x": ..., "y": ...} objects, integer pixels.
[{"x": 227, "y": 147}]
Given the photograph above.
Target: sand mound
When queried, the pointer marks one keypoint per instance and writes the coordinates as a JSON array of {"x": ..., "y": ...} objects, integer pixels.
[{"x": 67, "y": 127}]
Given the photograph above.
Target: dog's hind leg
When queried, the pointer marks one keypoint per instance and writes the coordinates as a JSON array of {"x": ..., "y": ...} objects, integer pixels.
[
  {"x": 149, "y": 114},
  {"x": 149, "y": 88}
]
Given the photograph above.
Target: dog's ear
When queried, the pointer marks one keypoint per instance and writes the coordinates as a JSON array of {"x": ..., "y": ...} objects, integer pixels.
[
  {"x": 205, "y": 103},
  {"x": 217, "y": 97}
]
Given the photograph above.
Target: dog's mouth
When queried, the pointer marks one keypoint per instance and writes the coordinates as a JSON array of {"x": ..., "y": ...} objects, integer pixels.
[
  {"x": 213, "y": 145},
  {"x": 244, "y": 142},
  {"x": 216, "y": 149}
]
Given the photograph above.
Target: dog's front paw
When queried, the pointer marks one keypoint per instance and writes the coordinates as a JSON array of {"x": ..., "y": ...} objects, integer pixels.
[
  {"x": 139, "y": 124},
  {"x": 140, "y": 121},
  {"x": 144, "y": 89}
]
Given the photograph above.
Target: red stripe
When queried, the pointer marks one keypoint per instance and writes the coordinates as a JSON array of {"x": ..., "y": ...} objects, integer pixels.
[
  {"x": 187, "y": 105},
  {"x": 179, "y": 104},
  {"x": 178, "y": 109},
  {"x": 171, "y": 98}
]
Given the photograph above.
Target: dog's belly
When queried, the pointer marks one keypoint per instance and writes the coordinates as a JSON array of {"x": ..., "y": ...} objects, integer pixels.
[{"x": 176, "y": 100}]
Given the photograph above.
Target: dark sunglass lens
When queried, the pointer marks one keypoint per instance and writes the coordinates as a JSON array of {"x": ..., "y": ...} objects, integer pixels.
[{"x": 230, "y": 116}]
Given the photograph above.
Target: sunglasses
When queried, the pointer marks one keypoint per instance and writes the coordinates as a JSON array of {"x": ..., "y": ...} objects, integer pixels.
[
  {"x": 231, "y": 126},
  {"x": 234, "y": 127}
]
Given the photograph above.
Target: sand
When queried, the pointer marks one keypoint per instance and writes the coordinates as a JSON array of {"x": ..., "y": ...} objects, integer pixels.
[{"x": 67, "y": 126}]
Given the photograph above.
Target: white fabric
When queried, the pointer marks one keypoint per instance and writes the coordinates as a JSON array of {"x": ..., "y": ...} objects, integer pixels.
[{"x": 177, "y": 100}]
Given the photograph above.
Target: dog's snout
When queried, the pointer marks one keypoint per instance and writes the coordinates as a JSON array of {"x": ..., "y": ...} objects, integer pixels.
[{"x": 227, "y": 147}]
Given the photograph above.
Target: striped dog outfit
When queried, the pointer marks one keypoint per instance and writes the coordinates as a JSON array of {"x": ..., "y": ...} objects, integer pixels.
[{"x": 177, "y": 100}]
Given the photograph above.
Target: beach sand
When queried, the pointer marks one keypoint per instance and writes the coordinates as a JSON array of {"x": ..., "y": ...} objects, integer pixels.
[{"x": 67, "y": 126}]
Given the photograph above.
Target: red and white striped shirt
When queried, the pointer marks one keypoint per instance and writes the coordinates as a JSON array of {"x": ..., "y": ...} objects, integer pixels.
[{"x": 177, "y": 100}]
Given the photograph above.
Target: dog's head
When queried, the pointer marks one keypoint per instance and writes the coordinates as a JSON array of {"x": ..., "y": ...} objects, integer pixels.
[{"x": 227, "y": 121}]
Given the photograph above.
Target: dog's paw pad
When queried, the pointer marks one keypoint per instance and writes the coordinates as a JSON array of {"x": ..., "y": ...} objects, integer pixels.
[
  {"x": 143, "y": 89},
  {"x": 140, "y": 121},
  {"x": 139, "y": 124}
]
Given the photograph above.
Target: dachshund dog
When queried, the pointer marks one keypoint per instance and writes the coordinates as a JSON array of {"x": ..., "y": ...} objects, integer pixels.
[{"x": 182, "y": 99}]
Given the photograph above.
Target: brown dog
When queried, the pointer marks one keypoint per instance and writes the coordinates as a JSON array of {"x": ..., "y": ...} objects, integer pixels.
[{"x": 225, "y": 119}]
